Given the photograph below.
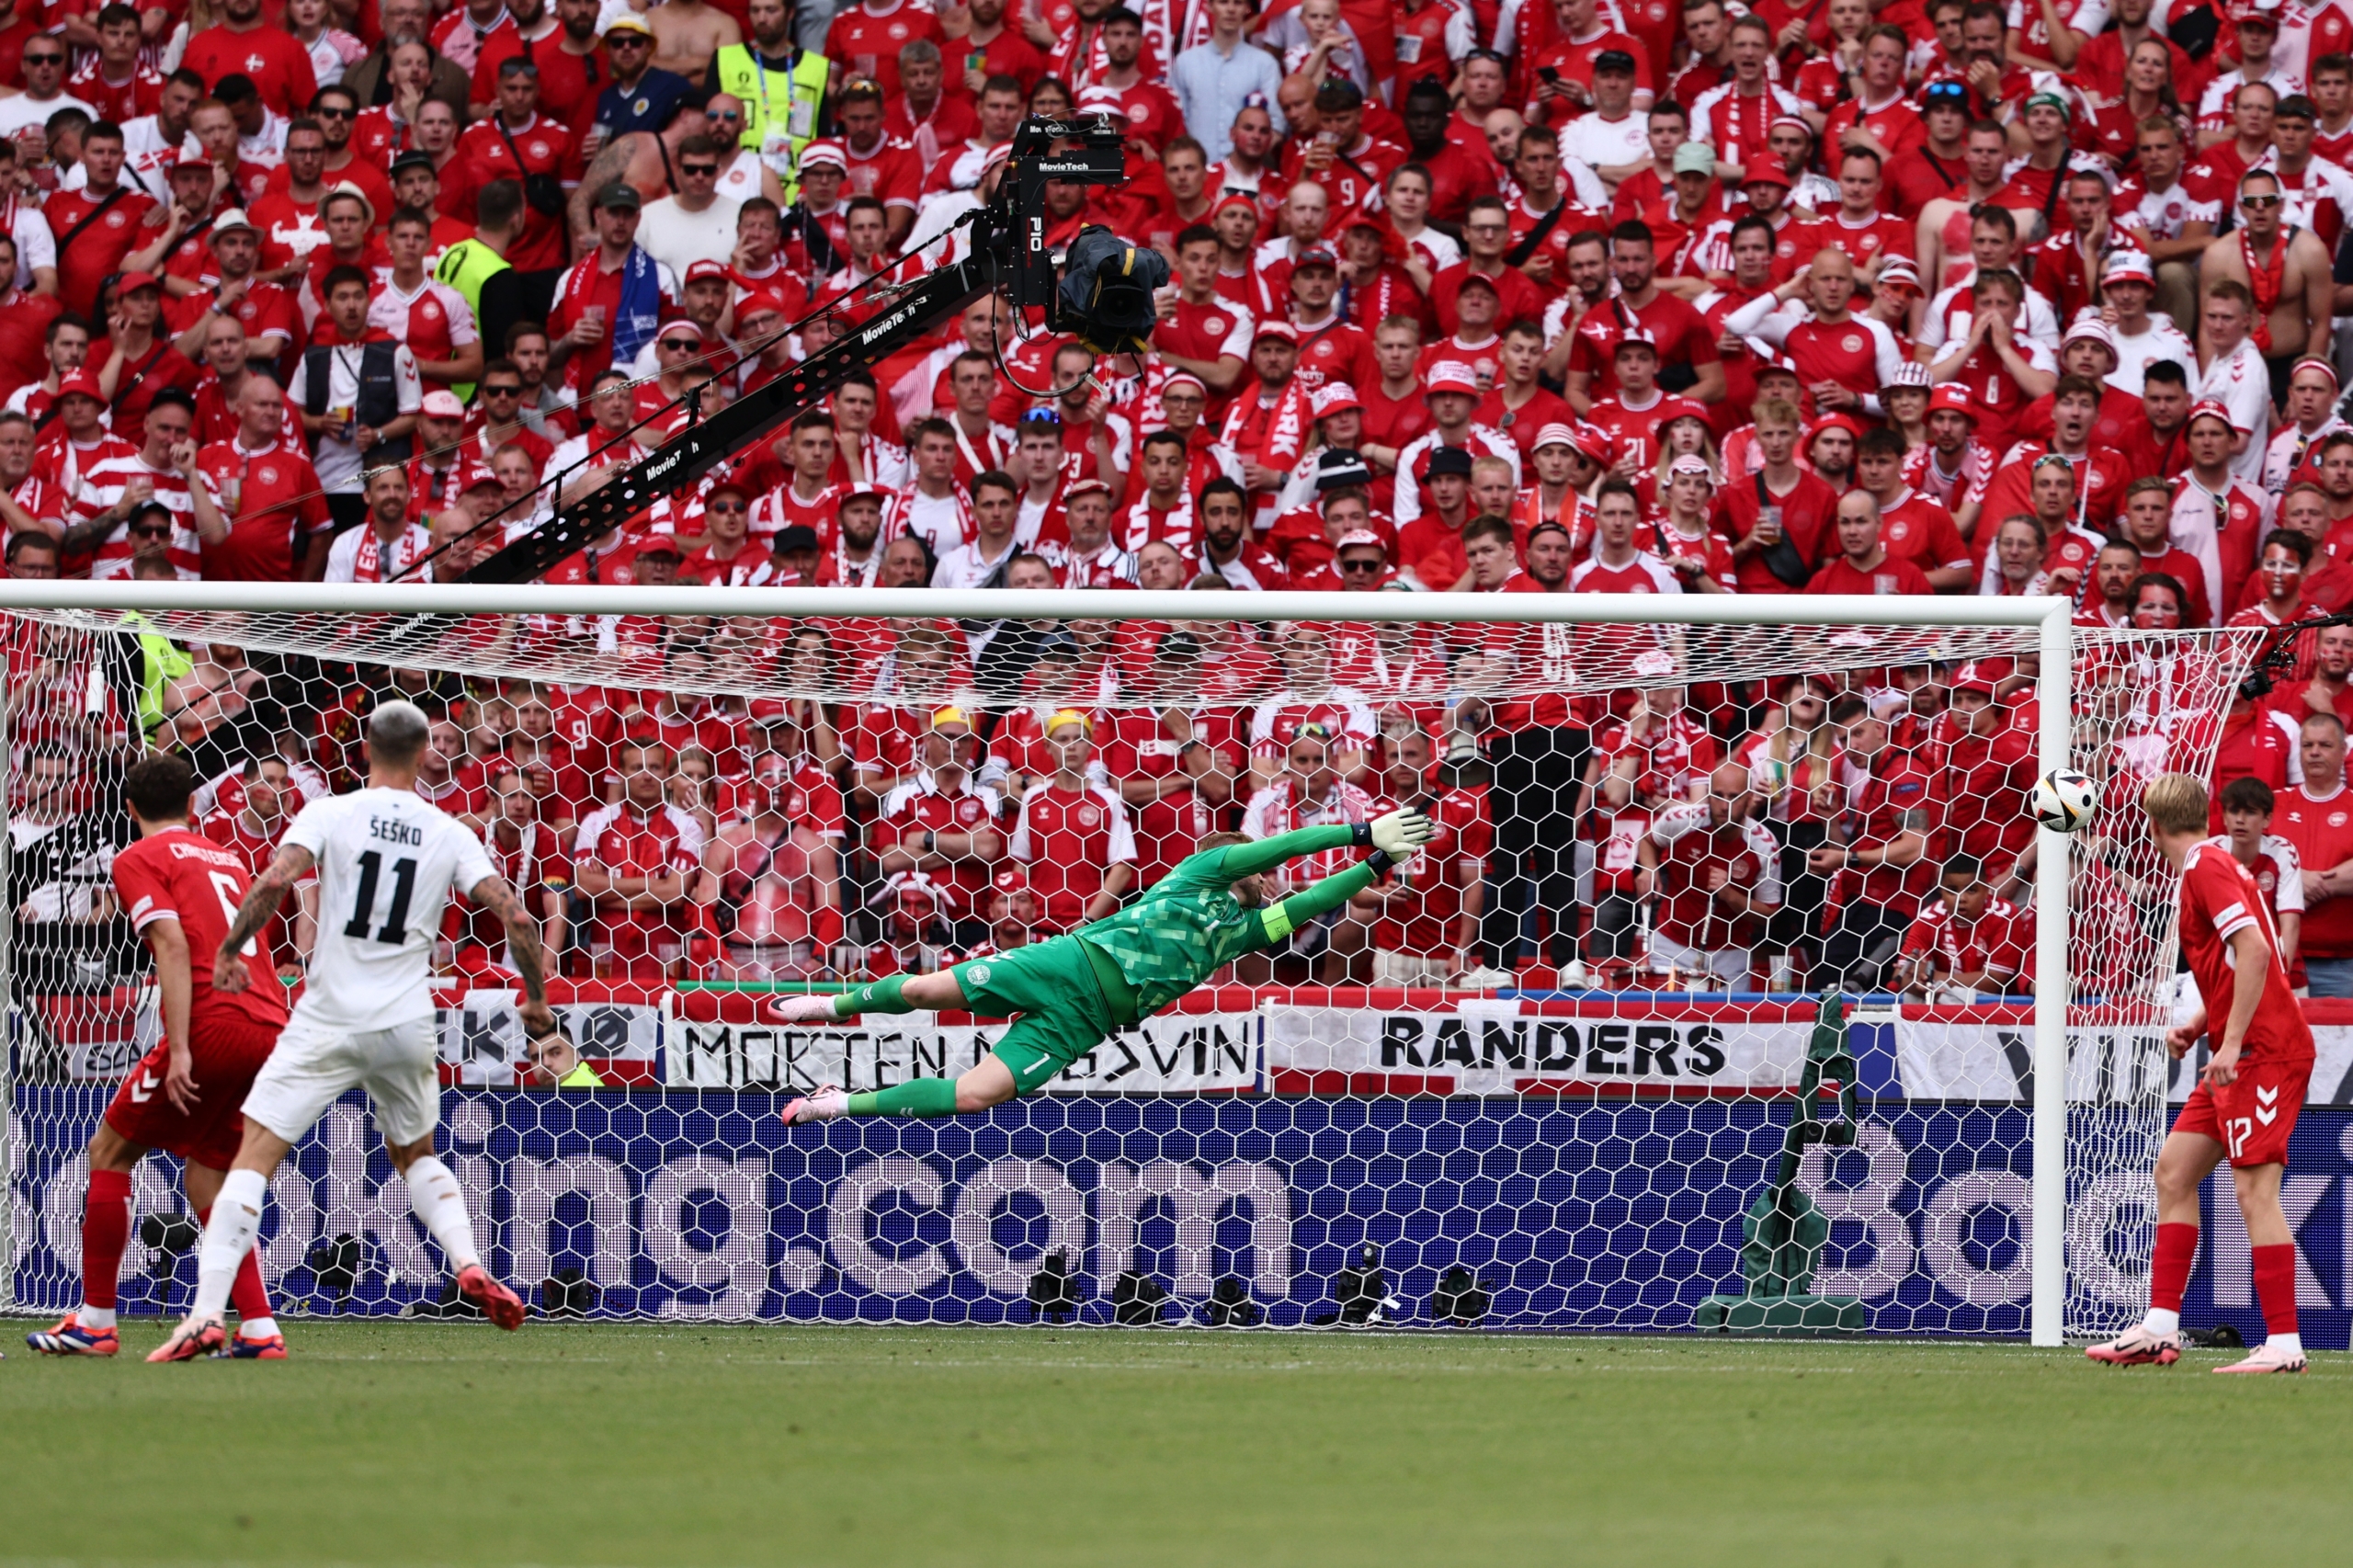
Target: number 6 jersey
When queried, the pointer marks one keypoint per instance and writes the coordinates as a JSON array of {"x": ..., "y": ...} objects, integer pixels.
[
  {"x": 176, "y": 875},
  {"x": 387, "y": 862}
]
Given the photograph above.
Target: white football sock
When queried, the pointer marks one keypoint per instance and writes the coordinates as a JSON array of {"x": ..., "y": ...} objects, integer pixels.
[
  {"x": 228, "y": 1236},
  {"x": 433, "y": 1193},
  {"x": 257, "y": 1328},
  {"x": 2285, "y": 1344},
  {"x": 89, "y": 1316},
  {"x": 2160, "y": 1321}
]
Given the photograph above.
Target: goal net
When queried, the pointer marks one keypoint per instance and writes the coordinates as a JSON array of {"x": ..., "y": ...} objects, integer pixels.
[{"x": 1721, "y": 982}]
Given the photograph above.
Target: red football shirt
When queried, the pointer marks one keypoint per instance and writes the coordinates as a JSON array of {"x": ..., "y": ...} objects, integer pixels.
[
  {"x": 279, "y": 66},
  {"x": 274, "y": 502},
  {"x": 2322, "y": 831},
  {"x": 178, "y": 875},
  {"x": 2219, "y": 899}
]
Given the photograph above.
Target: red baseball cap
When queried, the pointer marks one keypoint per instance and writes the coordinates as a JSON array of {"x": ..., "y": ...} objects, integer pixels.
[
  {"x": 132, "y": 283},
  {"x": 2210, "y": 408},
  {"x": 1955, "y": 396},
  {"x": 80, "y": 383}
]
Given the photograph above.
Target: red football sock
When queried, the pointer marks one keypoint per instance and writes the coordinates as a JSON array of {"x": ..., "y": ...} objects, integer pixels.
[
  {"x": 105, "y": 1231},
  {"x": 2275, "y": 1287},
  {"x": 247, "y": 1292},
  {"x": 2169, "y": 1270}
]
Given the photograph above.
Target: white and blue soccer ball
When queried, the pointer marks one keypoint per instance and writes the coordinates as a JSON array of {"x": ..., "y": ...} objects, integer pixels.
[{"x": 2064, "y": 800}]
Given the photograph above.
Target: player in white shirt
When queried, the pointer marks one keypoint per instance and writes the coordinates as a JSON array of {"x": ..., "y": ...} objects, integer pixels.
[{"x": 387, "y": 862}]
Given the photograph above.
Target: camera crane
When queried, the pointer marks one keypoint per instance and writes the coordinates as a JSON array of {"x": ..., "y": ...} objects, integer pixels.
[{"x": 1105, "y": 298}]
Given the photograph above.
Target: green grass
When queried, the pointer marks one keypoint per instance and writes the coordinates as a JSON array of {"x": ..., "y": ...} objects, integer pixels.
[{"x": 414, "y": 1443}]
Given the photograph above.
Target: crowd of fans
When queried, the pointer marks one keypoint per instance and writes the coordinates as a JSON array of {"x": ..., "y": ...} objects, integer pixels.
[{"x": 1540, "y": 296}]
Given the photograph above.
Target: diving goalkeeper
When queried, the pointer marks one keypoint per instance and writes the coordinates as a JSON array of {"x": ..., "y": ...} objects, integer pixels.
[{"x": 1072, "y": 991}]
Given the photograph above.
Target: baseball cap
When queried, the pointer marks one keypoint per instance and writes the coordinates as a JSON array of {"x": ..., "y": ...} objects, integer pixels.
[
  {"x": 1089, "y": 486},
  {"x": 1969, "y": 679},
  {"x": 1357, "y": 539},
  {"x": 2210, "y": 408},
  {"x": 794, "y": 538},
  {"x": 1010, "y": 881},
  {"x": 824, "y": 151},
  {"x": 1617, "y": 61},
  {"x": 1450, "y": 460},
  {"x": 1270, "y": 328},
  {"x": 2050, "y": 101},
  {"x": 1336, "y": 397},
  {"x": 1315, "y": 255},
  {"x": 699, "y": 270},
  {"x": 1954, "y": 396},
  {"x": 1635, "y": 338},
  {"x": 1834, "y": 422},
  {"x": 480, "y": 479},
  {"x": 760, "y": 302},
  {"x": 441, "y": 404},
  {"x": 1695, "y": 158},
  {"x": 80, "y": 383},
  {"x": 185, "y": 164},
  {"x": 1477, "y": 280},
  {"x": 1765, "y": 171},
  {"x": 1451, "y": 376},
  {"x": 1593, "y": 441},
  {"x": 412, "y": 159},
  {"x": 660, "y": 544},
  {"x": 132, "y": 283},
  {"x": 859, "y": 493},
  {"x": 2127, "y": 263},
  {"x": 619, "y": 196},
  {"x": 943, "y": 717},
  {"x": 1554, "y": 434}
]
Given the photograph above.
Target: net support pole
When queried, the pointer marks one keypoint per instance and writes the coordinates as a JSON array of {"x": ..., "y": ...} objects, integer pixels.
[
  {"x": 2047, "y": 1318},
  {"x": 10, "y": 1029}
]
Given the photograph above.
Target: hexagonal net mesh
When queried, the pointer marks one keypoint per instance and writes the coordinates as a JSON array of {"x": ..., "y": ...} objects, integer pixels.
[{"x": 1714, "y": 991}]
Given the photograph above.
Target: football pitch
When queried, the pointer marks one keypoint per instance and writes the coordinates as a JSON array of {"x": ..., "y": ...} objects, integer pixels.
[{"x": 626, "y": 1444}]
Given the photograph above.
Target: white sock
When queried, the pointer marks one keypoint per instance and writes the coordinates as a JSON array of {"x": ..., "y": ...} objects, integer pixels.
[
  {"x": 228, "y": 1236},
  {"x": 89, "y": 1316},
  {"x": 433, "y": 1193},
  {"x": 257, "y": 1328},
  {"x": 2160, "y": 1321},
  {"x": 2285, "y": 1344}
]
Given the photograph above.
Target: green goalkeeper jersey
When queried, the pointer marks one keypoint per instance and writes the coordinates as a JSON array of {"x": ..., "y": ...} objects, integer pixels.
[{"x": 1190, "y": 925}]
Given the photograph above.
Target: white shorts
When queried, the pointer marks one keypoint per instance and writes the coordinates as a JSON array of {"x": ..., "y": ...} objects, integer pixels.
[{"x": 313, "y": 1067}]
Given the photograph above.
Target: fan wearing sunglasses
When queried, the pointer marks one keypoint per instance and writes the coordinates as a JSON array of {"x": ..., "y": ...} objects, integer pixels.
[
  {"x": 2287, "y": 270},
  {"x": 695, "y": 221}
]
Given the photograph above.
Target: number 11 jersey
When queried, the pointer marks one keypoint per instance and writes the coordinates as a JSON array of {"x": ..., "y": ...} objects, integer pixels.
[{"x": 388, "y": 860}]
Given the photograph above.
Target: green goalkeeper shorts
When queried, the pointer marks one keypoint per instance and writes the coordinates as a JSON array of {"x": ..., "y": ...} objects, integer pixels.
[{"x": 1051, "y": 986}]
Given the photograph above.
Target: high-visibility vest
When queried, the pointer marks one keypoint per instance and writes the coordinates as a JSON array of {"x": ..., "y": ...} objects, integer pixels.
[
  {"x": 781, "y": 108},
  {"x": 466, "y": 267},
  {"x": 581, "y": 1077}
]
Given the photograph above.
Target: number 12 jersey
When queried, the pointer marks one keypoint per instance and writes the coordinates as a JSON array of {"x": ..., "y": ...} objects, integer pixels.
[{"x": 387, "y": 861}]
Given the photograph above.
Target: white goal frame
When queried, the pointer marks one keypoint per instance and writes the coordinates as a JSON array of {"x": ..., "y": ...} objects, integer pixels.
[{"x": 2052, "y": 616}]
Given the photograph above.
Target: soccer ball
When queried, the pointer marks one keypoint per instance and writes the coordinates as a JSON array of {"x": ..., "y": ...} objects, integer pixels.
[{"x": 2064, "y": 800}]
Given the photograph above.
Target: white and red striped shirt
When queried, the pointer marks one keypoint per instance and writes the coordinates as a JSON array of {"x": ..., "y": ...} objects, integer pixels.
[{"x": 102, "y": 487}]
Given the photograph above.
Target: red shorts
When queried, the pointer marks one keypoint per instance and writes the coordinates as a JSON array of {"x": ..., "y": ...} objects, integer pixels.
[
  {"x": 2251, "y": 1116},
  {"x": 228, "y": 1053}
]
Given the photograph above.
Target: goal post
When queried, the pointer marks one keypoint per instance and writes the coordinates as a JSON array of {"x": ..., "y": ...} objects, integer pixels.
[{"x": 1329, "y": 1036}]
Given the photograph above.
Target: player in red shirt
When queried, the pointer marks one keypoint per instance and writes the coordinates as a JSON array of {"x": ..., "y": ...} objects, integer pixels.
[
  {"x": 2247, "y": 1103},
  {"x": 179, "y": 892},
  {"x": 267, "y": 54},
  {"x": 1072, "y": 832}
]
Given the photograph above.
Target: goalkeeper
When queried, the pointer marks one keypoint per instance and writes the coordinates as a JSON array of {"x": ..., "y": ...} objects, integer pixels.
[{"x": 1072, "y": 991}]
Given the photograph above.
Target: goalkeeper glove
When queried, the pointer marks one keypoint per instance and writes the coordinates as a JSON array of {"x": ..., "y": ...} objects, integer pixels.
[{"x": 1401, "y": 832}]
